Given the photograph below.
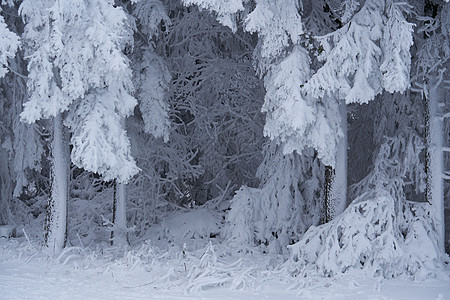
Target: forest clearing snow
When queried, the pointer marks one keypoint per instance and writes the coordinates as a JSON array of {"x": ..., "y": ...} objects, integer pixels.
[{"x": 146, "y": 272}]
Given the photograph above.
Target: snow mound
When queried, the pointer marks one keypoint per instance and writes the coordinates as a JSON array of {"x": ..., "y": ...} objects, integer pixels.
[
  {"x": 192, "y": 224},
  {"x": 367, "y": 237},
  {"x": 7, "y": 231}
]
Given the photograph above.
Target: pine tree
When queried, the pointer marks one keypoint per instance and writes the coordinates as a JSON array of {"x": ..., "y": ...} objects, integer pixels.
[
  {"x": 79, "y": 75},
  {"x": 433, "y": 59},
  {"x": 9, "y": 44},
  {"x": 390, "y": 194}
]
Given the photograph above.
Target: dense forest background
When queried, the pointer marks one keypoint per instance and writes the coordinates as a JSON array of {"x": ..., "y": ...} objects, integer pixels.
[{"x": 317, "y": 128}]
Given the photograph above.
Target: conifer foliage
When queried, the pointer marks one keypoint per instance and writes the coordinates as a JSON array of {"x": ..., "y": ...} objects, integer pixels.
[
  {"x": 76, "y": 65},
  {"x": 132, "y": 116}
]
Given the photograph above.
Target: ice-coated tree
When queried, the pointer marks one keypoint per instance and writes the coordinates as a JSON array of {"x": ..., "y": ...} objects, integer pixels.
[
  {"x": 390, "y": 219},
  {"x": 294, "y": 119},
  {"x": 153, "y": 79},
  {"x": 285, "y": 65},
  {"x": 368, "y": 54},
  {"x": 390, "y": 194},
  {"x": 433, "y": 61},
  {"x": 277, "y": 215},
  {"x": 79, "y": 75},
  {"x": 298, "y": 121},
  {"x": 9, "y": 44}
]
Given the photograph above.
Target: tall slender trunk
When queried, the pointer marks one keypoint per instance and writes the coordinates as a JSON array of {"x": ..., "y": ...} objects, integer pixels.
[
  {"x": 5, "y": 188},
  {"x": 435, "y": 158},
  {"x": 56, "y": 216},
  {"x": 118, "y": 235},
  {"x": 336, "y": 179}
]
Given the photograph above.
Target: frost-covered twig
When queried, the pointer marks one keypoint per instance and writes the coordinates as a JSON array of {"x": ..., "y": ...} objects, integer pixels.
[{"x": 65, "y": 251}]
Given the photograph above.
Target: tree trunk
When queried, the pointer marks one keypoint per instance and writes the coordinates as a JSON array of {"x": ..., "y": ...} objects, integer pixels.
[
  {"x": 5, "y": 188},
  {"x": 435, "y": 158},
  {"x": 118, "y": 235},
  {"x": 56, "y": 216},
  {"x": 336, "y": 179}
]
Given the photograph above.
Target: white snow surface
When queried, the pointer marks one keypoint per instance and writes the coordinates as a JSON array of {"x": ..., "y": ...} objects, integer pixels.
[{"x": 212, "y": 271}]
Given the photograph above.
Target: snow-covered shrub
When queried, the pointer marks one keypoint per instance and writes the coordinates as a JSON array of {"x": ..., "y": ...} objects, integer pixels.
[
  {"x": 421, "y": 240},
  {"x": 204, "y": 273},
  {"x": 212, "y": 271},
  {"x": 29, "y": 214},
  {"x": 145, "y": 256},
  {"x": 367, "y": 236},
  {"x": 362, "y": 237},
  {"x": 239, "y": 227},
  {"x": 282, "y": 209}
]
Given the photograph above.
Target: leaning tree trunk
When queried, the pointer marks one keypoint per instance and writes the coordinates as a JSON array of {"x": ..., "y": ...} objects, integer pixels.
[
  {"x": 435, "y": 158},
  {"x": 56, "y": 216},
  {"x": 336, "y": 179}
]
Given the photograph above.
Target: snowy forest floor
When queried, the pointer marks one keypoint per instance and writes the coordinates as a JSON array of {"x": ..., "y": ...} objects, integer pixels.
[{"x": 207, "y": 272}]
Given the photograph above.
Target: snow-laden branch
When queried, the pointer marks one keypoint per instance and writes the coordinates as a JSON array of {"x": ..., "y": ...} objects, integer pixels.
[
  {"x": 367, "y": 55},
  {"x": 446, "y": 175}
]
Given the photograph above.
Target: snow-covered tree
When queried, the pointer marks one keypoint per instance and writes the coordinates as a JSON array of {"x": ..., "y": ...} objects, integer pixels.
[
  {"x": 389, "y": 218},
  {"x": 9, "y": 44},
  {"x": 433, "y": 60},
  {"x": 79, "y": 75},
  {"x": 293, "y": 119},
  {"x": 152, "y": 79},
  {"x": 360, "y": 60},
  {"x": 76, "y": 48},
  {"x": 396, "y": 179}
]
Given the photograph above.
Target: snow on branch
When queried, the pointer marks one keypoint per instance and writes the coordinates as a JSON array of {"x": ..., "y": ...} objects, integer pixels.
[
  {"x": 436, "y": 51},
  {"x": 9, "y": 44},
  {"x": 367, "y": 55},
  {"x": 151, "y": 13},
  {"x": 294, "y": 120},
  {"x": 226, "y": 9},
  {"x": 278, "y": 24},
  {"x": 154, "y": 85},
  {"x": 95, "y": 122}
]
